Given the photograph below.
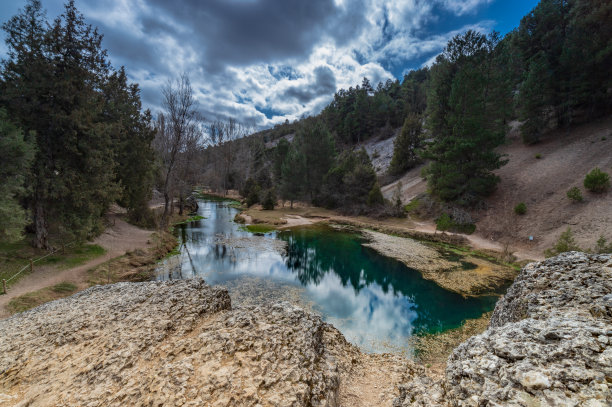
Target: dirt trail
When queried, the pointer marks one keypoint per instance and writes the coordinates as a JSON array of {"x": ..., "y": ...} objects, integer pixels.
[{"x": 118, "y": 238}]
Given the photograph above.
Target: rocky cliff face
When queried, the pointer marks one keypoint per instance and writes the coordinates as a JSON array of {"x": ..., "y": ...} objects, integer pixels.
[
  {"x": 181, "y": 343},
  {"x": 549, "y": 343}
]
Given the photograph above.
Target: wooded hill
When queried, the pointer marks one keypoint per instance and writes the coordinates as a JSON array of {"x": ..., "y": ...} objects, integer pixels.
[{"x": 551, "y": 72}]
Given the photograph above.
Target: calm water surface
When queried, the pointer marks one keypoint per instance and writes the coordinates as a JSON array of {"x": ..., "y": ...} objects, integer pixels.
[{"x": 375, "y": 301}]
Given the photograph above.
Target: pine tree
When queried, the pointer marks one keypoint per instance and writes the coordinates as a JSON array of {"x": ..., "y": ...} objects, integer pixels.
[
  {"x": 406, "y": 145},
  {"x": 51, "y": 82},
  {"x": 535, "y": 98},
  {"x": 316, "y": 146},
  {"x": 280, "y": 153},
  {"x": 465, "y": 119},
  {"x": 293, "y": 175},
  {"x": 132, "y": 134},
  {"x": 16, "y": 154}
]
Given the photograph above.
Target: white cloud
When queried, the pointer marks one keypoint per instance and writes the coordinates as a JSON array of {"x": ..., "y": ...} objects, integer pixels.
[
  {"x": 345, "y": 39},
  {"x": 461, "y": 7}
]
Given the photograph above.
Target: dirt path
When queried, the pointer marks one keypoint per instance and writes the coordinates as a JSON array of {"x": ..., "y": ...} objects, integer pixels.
[{"x": 117, "y": 239}]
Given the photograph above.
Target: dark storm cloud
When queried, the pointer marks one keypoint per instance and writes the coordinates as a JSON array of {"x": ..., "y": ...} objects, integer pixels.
[
  {"x": 324, "y": 84},
  {"x": 125, "y": 48},
  {"x": 242, "y": 32},
  {"x": 261, "y": 61}
]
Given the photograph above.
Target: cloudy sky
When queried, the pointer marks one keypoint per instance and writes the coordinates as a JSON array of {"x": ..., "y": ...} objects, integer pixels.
[{"x": 264, "y": 61}]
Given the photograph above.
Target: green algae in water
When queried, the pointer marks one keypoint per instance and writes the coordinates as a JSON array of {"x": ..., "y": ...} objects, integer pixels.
[
  {"x": 376, "y": 302},
  {"x": 258, "y": 228}
]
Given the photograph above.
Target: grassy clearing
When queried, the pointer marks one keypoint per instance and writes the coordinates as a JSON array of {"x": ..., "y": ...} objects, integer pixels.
[
  {"x": 14, "y": 256},
  {"x": 278, "y": 215},
  {"x": 75, "y": 256},
  {"x": 36, "y": 298},
  {"x": 138, "y": 265},
  {"x": 449, "y": 251}
]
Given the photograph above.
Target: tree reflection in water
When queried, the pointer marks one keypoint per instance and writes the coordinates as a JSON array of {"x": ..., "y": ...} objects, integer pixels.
[{"x": 367, "y": 296}]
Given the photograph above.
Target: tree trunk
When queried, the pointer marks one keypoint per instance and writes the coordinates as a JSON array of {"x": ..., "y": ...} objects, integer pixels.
[
  {"x": 40, "y": 224},
  {"x": 181, "y": 204},
  {"x": 164, "y": 219}
]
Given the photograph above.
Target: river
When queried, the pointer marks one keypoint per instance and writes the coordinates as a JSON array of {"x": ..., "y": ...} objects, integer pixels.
[{"x": 376, "y": 302}]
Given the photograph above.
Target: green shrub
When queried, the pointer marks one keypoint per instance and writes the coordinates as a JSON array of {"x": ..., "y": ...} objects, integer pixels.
[
  {"x": 538, "y": 156},
  {"x": 413, "y": 205},
  {"x": 444, "y": 222},
  {"x": 269, "y": 201},
  {"x": 597, "y": 181},
  {"x": 566, "y": 243},
  {"x": 575, "y": 195},
  {"x": 375, "y": 196},
  {"x": 601, "y": 246},
  {"x": 253, "y": 196},
  {"x": 520, "y": 209}
]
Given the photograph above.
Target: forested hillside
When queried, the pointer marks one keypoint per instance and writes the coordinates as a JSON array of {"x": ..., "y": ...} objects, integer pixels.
[{"x": 551, "y": 72}]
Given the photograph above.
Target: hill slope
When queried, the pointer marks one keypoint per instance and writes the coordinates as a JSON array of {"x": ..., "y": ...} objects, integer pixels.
[{"x": 542, "y": 184}]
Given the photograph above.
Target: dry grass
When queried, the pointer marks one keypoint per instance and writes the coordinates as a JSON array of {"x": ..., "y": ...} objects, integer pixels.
[
  {"x": 137, "y": 265},
  {"x": 436, "y": 348},
  {"x": 36, "y": 298}
]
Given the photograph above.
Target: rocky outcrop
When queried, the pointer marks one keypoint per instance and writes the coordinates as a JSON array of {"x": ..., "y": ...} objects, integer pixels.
[
  {"x": 172, "y": 343},
  {"x": 549, "y": 343},
  {"x": 180, "y": 343}
]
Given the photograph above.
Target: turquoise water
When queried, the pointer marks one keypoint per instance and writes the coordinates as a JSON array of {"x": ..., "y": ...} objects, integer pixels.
[{"x": 375, "y": 301}]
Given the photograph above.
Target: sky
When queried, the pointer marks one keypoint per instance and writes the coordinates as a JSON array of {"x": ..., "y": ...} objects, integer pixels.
[{"x": 267, "y": 61}]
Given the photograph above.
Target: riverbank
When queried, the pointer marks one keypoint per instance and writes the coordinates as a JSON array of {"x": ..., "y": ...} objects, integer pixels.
[
  {"x": 129, "y": 254},
  {"x": 455, "y": 271},
  {"x": 440, "y": 257}
]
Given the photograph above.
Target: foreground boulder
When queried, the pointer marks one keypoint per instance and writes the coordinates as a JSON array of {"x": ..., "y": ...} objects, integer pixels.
[
  {"x": 181, "y": 344},
  {"x": 549, "y": 343},
  {"x": 156, "y": 344}
]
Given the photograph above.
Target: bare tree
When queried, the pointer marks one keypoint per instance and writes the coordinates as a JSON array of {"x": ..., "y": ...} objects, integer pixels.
[
  {"x": 178, "y": 132},
  {"x": 224, "y": 135}
]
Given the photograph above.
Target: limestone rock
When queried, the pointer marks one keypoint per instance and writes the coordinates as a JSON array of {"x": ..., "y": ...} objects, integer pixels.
[
  {"x": 548, "y": 343},
  {"x": 170, "y": 343}
]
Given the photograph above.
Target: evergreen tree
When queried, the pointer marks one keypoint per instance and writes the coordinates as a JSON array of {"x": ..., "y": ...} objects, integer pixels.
[
  {"x": 16, "y": 154},
  {"x": 465, "y": 119},
  {"x": 132, "y": 135},
  {"x": 535, "y": 98},
  {"x": 351, "y": 182},
  {"x": 280, "y": 153},
  {"x": 51, "y": 80},
  {"x": 406, "y": 145},
  {"x": 316, "y": 145},
  {"x": 566, "y": 51},
  {"x": 293, "y": 174}
]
